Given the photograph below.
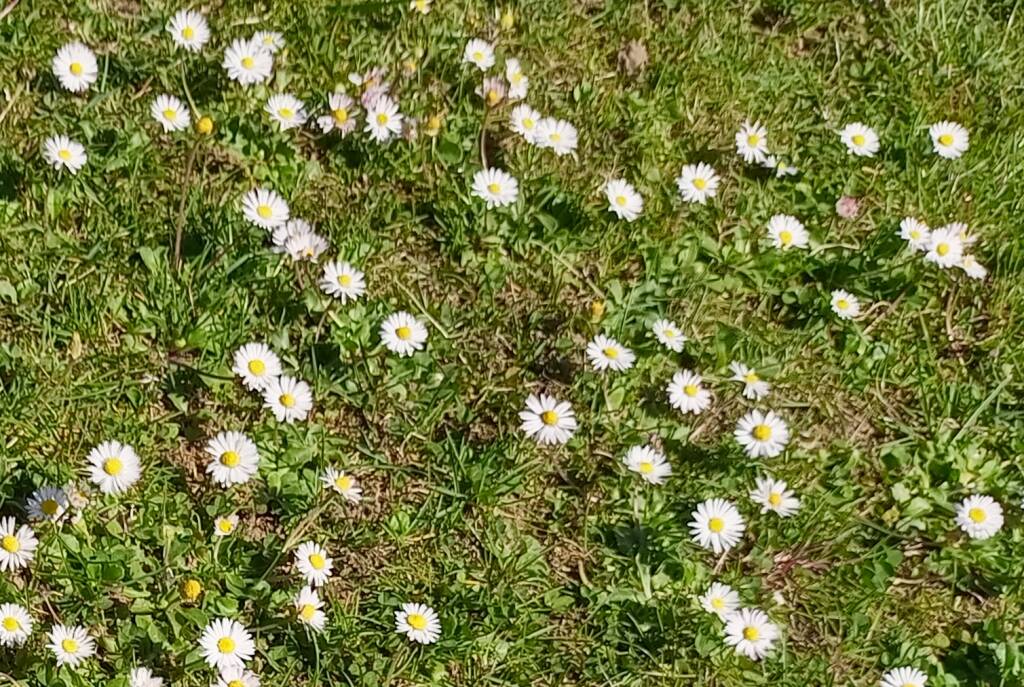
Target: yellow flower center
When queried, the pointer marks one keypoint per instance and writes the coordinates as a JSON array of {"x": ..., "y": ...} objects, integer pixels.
[
  {"x": 248, "y": 62},
  {"x": 257, "y": 367},
  {"x": 915, "y": 234},
  {"x": 317, "y": 561},
  {"x": 76, "y": 68},
  {"x": 340, "y": 115},
  {"x": 225, "y": 645},
  {"x": 647, "y": 467},
  {"x": 204, "y": 125},
  {"x": 287, "y": 400},
  {"x": 528, "y": 122},
  {"x": 345, "y": 279},
  {"x": 750, "y": 633},
  {"x": 700, "y": 184},
  {"x": 264, "y": 211},
  {"x": 49, "y": 506},
  {"x": 775, "y": 499},
  {"x": 11, "y": 623},
  {"x": 516, "y": 78},
  {"x": 751, "y": 377},
  {"x": 417, "y": 621},
  {"x": 187, "y": 33},
  {"x": 170, "y": 114},
  {"x": 421, "y": 5},
  {"x": 64, "y": 154},
  {"x": 762, "y": 432},
  {"x": 478, "y": 56},
  {"x": 555, "y": 137},
  {"x": 493, "y": 188},
  {"x": 493, "y": 97},
  {"x": 716, "y": 525},
  {"x": 690, "y": 390},
  {"x": 620, "y": 200},
  {"x": 236, "y": 683},
  {"x": 69, "y": 645},
  {"x": 946, "y": 139},
  {"x": 191, "y": 589},
  {"x": 785, "y": 237},
  {"x": 307, "y": 612},
  {"x": 344, "y": 483},
  {"x": 976, "y": 515},
  {"x": 842, "y": 304},
  {"x": 549, "y": 417},
  {"x": 230, "y": 459},
  {"x": 113, "y": 466},
  {"x": 942, "y": 249},
  {"x": 718, "y": 603},
  {"x": 286, "y": 113},
  {"x": 225, "y": 526},
  {"x": 610, "y": 352},
  {"x": 669, "y": 333},
  {"x": 404, "y": 333},
  {"x": 753, "y": 140},
  {"x": 268, "y": 40},
  {"x": 10, "y": 543},
  {"x": 382, "y": 119},
  {"x": 858, "y": 139}
]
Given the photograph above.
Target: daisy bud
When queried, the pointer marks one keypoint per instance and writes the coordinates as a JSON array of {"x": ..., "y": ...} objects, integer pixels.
[
  {"x": 205, "y": 126},
  {"x": 508, "y": 20},
  {"x": 191, "y": 590},
  {"x": 433, "y": 126},
  {"x": 596, "y": 310}
]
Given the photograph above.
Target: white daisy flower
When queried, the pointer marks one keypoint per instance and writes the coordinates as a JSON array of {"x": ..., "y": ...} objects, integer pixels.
[
  {"x": 608, "y": 354},
  {"x": 289, "y": 399},
  {"x": 421, "y": 6},
  {"x": 234, "y": 458},
  {"x": 143, "y": 677},
  {"x": 480, "y": 53},
  {"x": 305, "y": 245},
  {"x": 720, "y": 599},
  {"x": 717, "y": 525},
  {"x": 773, "y": 495},
  {"x": 313, "y": 563},
  {"x": 859, "y": 139},
  {"x": 269, "y": 40},
  {"x": 265, "y": 208},
  {"x": 687, "y": 394},
  {"x": 71, "y": 644},
  {"x": 226, "y": 644},
  {"x": 247, "y": 62},
  {"x": 697, "y": 183},
  {"x": 189, "y": 30},
  {"x": 518, "y": 84},
  {"x": 17, "y": 545},
  {"x": 916, "y": 233},
  {"x": 287, "y": 110},
  {"x": 669, "y": 335},
  {"x": 650, "y": 464},
  {"x": 548, "y": 420},
  {"x": 762, "y": 434},
  {"x": 786, "y": 231},
  {"x": 238, "y": 677},
  {"x": 403, "y": 334},
  {"x": 495, "y": 187},
  {"x": 114, "y": 467},
  {"x": 344, "y": 484},
  {"x": 752, "y": 142},
  {"x": 782, "y": 169},
  {"x": 972, "y": 268},
  {"x": 225, "y": 525},
  {"x": 979, "y": 516},
  {"x": 492, "y": 90},
  {"x": 523, "y": 121},
  {"x": 961, "y": 229},
  {"x": 383, "y": 120},
  {"x": 751, "y": 632},
  {"x": 74, "y": 65},
  {"x": 557, "y": 134},
  {"x": 256, "y": 364},
  {"x": 754, "y": 387},
  {"x": 170, "y": 113},
  {"x": 308, "y": 609},
  {"x": 60, "y": 152},
  {"x": 47, "y": 503},
  {"x": 945, "y": 247},
  {"x": 342, "y": 281},
  {"x": 949, "y": 139},
  {"x": 418, "y": 622},
  {"x": 623, "y": 199},
  {"x": 15, "y": 625},
  {"x": 845, "y": 304},
  {"x": 904, "y": 677},
  {"x": 342, "y": 115},
  {"x": 282, "y": 232}
]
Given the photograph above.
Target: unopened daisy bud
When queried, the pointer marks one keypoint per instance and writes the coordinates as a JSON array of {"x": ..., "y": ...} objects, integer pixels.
[
  {"x": 432, "y": 127},
  {"x": 508, "y": 20},
  {"x": 191, "y": 590},
  {"x": 205, "y": 125},
  {"x": 596, "y": 310}
]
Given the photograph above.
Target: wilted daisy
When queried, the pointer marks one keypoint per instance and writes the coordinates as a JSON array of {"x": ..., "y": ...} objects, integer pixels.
[
  {"x": 63, "y": 153},
  {"x": 623, "y": 199},
  {"x": 751, "y": 632},
  {"x": 238, "y": 677},
  {"x": 308, "y": 609},
  {"x": 313, "y": 563},
  {"x": 114, "y": 467},
  {"x": 904, "y": 677},
  {"x": 916, "y": 233},
  {"x": 270, "y": 40},
  {"x": 492, "y": 90},
  {"x": 342, "y": 483},
  {"x": 71, "y": 644},
  {"x": 697, "y": 183},
  {"x": 342, "y": 116},
  {"x": 859, "y": 139},
  {"x": 717, "y": 525},
  {"x": 523, "y": 121},
  {"x": 74, "y": 65},
  {"x": 343, "y": 281},
  {"x": 143, "y": 677},
  {"x": 495, "y": 187},
  {"x": 17, "y": 544},
  {"x": 170, "y": 113},
  {"x": 608, "y": 354},
  {"x": 226, "y": 644},
  {"x": 781, "y": 167},
  {"x": 15, "y": 625},
  {"x": 786, "y": 231},
  {"x": 47, "y": 503},
  {"x": 548, "y": 420},
  {"x": 945, "y": 247},
  {"x": 686, "y": 393},
  {"x": 289, "y": 399},
  {"x": 669, "y": 335},
  {"x": 305, "y": 245},
  {"x": 752, "y": 142},
  {"x": 556, "y": 134},
  {"x": 383, "y": 120},
  {"x": 845, "y": 304},
  {"x": 247, "y": 62},
  {"x": 287, "y": 110},
  {"x": 720, "y": 599},
  {"x": 972, "y": 268},
  {"x": 762, "y": 434},
  {"x": 225, "y": 525},
  {"x": 265, "y": 208},
  {"x": 256, "y": 364},
  {"x": 979, "y": 516},
  {"x": 479, "y": 53},
  {"x": 949, "y": 139},
  {"x": 189, "y": 30},
  {"x": 773, "y": 495},
  {"x": 403, "y": 334},
  {"x": 518, "y": 84},
  {"x": 234, "y": 458},
  {"x": 648, "y": 463},
  {"x": 418, "y": 622},
  {"x": 754, "y": 387}
]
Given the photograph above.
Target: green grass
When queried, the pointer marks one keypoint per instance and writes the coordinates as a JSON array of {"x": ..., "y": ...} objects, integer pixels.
[{"x": 547, "y": 566}]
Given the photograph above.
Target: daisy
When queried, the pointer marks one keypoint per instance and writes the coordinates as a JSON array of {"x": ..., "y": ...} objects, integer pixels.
[
  {"x": 225, "y": 525},
  {"x": 114, "y": 467},
  {"x": 495, "y": 187},
  {"x": 189, "y": 30},
  {"x": 916, "y": 233},
  {"x": 421, "y": 6},
  {"x": 15, "y": 625},
  {"x": 750, "y": 631},
  {"x": 343, "y": 281},
  {"x": 623, "y": 199},
  {"x": 945, "y": 247},
  {"x": 697, "y": 183},
  {"x": 345, "y": 485},
  {"x": 668, "y": 335},
  {"x": 752, "y": 142},
  {"x": 972, "y": 268},
  {"x": 75, "y": 66},
  {"x": 169, "y": 113},
  {"x": 480, "y": 53},
  {"x": 493, "y": 91},
  {"x": 383, "y": 120},
  {"x": 233, "y": 458},
  {"x": 47, "y": 503},
  {"x": 226, "y": 644},
  {"x": 651, "y": 465},
  {"x": 782, "y": 169},
  {"x": 265, "y": 208},
  {"x": 754, "y": 387},
  {"x": 289, "y": 399},
  {"x": 287, "y": 110},
  {"x": 717, "y": 525},
  {"x": 143, "y": 677},
  {"x": 523, "y": 121},
  {"x": 979, "y": 516},
  {"x": 720, "y": 599},
  {"x": 859, "y": 139},
  {"x": 518, "y": 84},
  {"x": 686, "y": 394},
  {"x": 313, "y": 563},
  {"x": 308, "y": 609},
  {"x": 961, "y": 230},
  {"x": 547, "y": 420},
  {"x": 418, "y": 622},
  {"x": 608, "y": 354},
  {"x": 557, "y": 134},
  {"x": 247, "y": 62},
  {"x": 71, "y": 644},
  {"x": 305, "y": 245},
  {"x": 282, "y": 232},
  {"x": 949, "y": 139},
  {"x": 63, "y": 153},
  {"x": 403, "y": 334},
  {"x": 257, "y": 365},
  {"x": 762, "y": 434},
  {"x": 904, "y": 677},
  {"x": 341, "y": 117},
  {"x": 845, "y": 304},
  {"x": 270, "y": 40},
  {"x": 238, "y": 677},
  {"x": 772, "y": 495},
  {"x": 786, "y": 231}
]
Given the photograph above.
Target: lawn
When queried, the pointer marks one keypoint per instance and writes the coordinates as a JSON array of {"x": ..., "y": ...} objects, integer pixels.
[{"x": 128, "y": 286}]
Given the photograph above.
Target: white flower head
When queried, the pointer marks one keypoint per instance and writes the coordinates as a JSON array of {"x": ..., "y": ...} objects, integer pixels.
[
  {"x": 845, "y": 304},
  {"x": 226, "y": 644},
  {"x": 75, "y": 67},
  {"x": 717, "y": 525},
  {"x": 265, "y": 208},
  {"x": 341, "y": 117},
  {"x": 774, "y": 495},
  {"x": 754, "y": 387},
  {"x": 71, "y": 644},
  {"x": 859, "y": 139},
  {"x": 15, "y": 624},
  {"x": 523, "y": 121},
  {"x": 309, "y": 609},
  {"x": 752, "y": 142},
  {"x": 313, "y": 563},
  {"x": 343, "y": 484},
  {"x": 170, "y": 113},
  {"x": 225, "y": 525},
  {"x": 949, "y": 139},
  {"x": 60, "y": 152},
  {"x": 493, "y": 90},
  {"x": 751, "y": 632},
  {"x": 288, "y": 111},
  {"x": 234, "y": 458},
  {"x": 697, "y": 183},
  {"x": 383, "y": 120},
  {"x": 47, "y": 503},
  {"x": 623, "y": 200},
  {"x": 904, "y": 677},
  {"x": 342, "y": 281},
  {"x": 762, "y": 434},
  {"x": 781, "y": 167},
  {"x": 17, "y": 545},
  {"x": 518, "y": 84},
  {"x": 305, "y": 245},
  {"x": 556, "y": 134},
  {"x": 143, "y": 677},
  {"x": 945, "y": 247},
  {"x": 248, "y": 62},
  {"x": 189, "y": 30},
  {"x": 972, "y": 268},
  {"x": 547, "y": 419},
  {"x": 669, "y": 335},
  {"x": 257, "y": 365},
  {"x": 271, "y": 41},
  {"x": 687, "y": 394},
  {"x": 786, "y": 231},
  {"x": 114, "y": 467},
  {"x": 418, "y": 622},
  {"x": 606, "y": 353},
  {"x": 649, "y": 463},
  {"x": 289, "y": 399},
  {"x": 720, "y": 599},
  {"x": 495, "y": 187},
  {"x": 403, "y": 334},
  {"x": 479, "y": 53},
  {"x": 979, "y": 516},
  {"x": 237, "y": 677},
  {"x": 916, "y": 233}
]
